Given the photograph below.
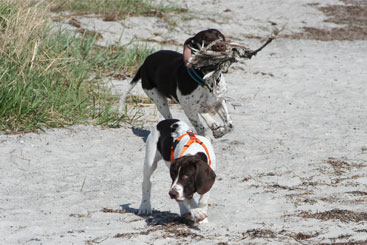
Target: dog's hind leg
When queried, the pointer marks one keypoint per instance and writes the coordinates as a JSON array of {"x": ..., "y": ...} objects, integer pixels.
[
  {"x": 152, "y": 156},
  {"x": 160, "y": 101}
]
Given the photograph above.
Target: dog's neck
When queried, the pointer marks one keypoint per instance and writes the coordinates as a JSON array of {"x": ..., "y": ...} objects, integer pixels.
[{"x": 201, "y": 78}]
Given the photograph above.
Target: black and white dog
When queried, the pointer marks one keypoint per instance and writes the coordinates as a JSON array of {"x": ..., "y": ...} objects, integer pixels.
[
  {"x": 169, "y": 74},
  {"x": 191, "y": 161}
]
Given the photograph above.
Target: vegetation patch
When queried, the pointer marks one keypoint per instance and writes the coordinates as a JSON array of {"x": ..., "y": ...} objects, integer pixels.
[
  {"x": 302, "y": 236},
  {"x": 51, "y": 78},
  {"x": 339, "y": 166},
  {"x": 113, "y": 10},
  {"x": 170, "y": 231},
  {"x": 352, "y": 15},
  {"x": 259, "y": 233},
  {"x": 336, "y": 214},
  {"x": 116, "y": 211}
]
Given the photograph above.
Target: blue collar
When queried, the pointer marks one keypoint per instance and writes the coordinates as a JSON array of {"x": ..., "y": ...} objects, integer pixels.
[{"x": 195, "y": 76}]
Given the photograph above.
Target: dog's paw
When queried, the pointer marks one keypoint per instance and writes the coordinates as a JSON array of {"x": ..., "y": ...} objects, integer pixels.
[
  {"x": 187, "y": 216},
  {"x": 198, "y": 215},
  {"x": 219, "y": 132},
  {"x": 145, "y": 208},
  {"x": 222, "y": 130}
]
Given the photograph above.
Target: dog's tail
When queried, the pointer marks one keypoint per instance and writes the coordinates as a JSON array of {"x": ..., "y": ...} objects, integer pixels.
[{"x": 132, "y": 85}]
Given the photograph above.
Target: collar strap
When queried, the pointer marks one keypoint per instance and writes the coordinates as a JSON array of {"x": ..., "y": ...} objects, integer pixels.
[
  {"x": 193, "y": 139},
  {"x": 195, "y": 76}
]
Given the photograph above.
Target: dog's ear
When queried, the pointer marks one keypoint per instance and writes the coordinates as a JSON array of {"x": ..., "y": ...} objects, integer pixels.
[
  {"x": 221, "y": 36},
  {"x": 204, "y": 176},
  {"x": 187, "y": 52},
  {"x": 202, "y": 156},
  {"x": 173, "y": 169}
]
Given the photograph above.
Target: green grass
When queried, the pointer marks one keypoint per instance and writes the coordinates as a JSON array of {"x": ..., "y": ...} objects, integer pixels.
[
  {"x": 119, "y": 9},
  {"x": 52, "y": 80}
]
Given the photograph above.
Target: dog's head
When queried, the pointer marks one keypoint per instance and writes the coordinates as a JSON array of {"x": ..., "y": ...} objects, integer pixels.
[
  {"x": 204, "y": 37},
  {"x": 190, "y": 174}
]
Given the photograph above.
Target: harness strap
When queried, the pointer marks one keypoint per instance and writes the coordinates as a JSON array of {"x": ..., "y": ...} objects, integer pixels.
[{"x": 193, "y": 139}]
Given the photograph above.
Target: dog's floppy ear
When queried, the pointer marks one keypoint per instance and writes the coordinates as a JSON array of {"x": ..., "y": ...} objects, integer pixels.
[
  {"x": 187, "y": 52},
  {"x": 204, "y": 176},
  {"x": 173, "y": 169}
]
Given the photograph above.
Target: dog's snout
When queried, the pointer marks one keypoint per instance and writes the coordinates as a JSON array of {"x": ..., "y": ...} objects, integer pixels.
[
  {"x": 173, "y": 194},
  {"x": 220, "y": 46}
]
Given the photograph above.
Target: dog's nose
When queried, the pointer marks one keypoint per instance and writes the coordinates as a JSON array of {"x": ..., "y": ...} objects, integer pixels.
[
  {"x": 173, "y": 193},
  {"x": 221, "y": 46}
]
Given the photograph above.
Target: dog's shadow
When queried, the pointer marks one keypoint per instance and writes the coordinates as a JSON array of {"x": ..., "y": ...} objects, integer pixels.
[
  {"x": 162, "y": 218},
  {"x": 142, "y": 133}
]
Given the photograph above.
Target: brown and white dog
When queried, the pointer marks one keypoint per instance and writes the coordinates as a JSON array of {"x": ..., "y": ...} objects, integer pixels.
[
  {"x": 191, "y": 161},
  {"x": 168, "y": 74}
]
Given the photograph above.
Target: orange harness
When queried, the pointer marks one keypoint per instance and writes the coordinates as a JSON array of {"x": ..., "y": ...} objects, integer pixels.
[{"x": 192, "y": 140}]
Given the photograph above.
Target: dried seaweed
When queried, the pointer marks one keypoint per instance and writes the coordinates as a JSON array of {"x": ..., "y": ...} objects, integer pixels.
[{"x": 212, "y": 63}]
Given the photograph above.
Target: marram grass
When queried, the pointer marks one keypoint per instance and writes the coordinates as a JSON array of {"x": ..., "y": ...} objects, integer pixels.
[{"x": 50, "y": 78}]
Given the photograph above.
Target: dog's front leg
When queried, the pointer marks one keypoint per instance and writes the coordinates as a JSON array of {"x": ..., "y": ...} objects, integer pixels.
[
  {"x": 218, "y": 131},
  {"x": 203, "y": 201},
  {"x": 184, "y": 211},
  {"x": 224, "y": 115},
  {"x": 198, "y": 214},
  {"x": 145, "y": 206},
  {"x": 195, "y": 121},
  {"x": 212, "y": 124},
  {"x": 152, "y": 157}
]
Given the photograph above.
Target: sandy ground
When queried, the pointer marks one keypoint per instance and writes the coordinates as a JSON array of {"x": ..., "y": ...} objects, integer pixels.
[{"x": 294, "y": 170}]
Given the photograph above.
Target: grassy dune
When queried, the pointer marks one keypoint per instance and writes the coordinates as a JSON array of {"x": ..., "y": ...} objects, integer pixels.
[{"x": 51, "y": 78}]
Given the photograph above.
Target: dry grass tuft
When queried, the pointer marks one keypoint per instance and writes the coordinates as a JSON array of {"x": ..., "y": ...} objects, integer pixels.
[
  {"x": 353, "y": 15},
  {"x": 52, "y": 78},
  {"x": 342, "y": 215}
]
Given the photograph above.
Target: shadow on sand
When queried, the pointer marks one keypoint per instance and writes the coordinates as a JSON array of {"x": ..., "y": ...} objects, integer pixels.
[{"x": 162, "y": 218}]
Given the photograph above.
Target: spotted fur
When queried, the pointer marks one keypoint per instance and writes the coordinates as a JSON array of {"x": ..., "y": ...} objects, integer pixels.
[
  {"x": 164, "y": 75},
  {"x": 189, "y": 173}
]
